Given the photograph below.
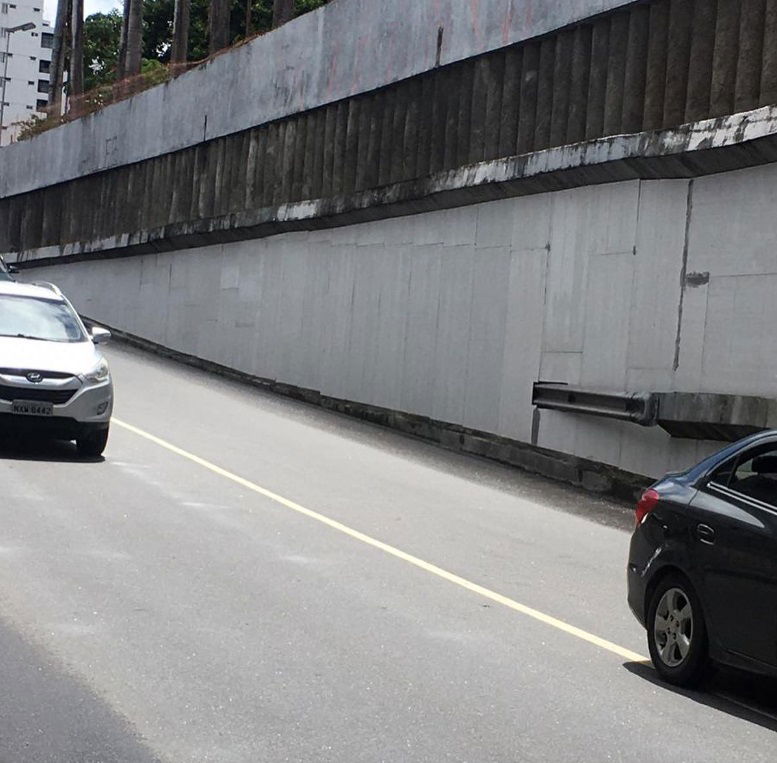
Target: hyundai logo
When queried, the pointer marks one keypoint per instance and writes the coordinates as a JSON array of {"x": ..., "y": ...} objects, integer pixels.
[{"x": 35, "y": 377}]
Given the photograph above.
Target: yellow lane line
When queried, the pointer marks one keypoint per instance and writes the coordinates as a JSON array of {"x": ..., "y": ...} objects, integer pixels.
[{"x": 433, "y": 569}]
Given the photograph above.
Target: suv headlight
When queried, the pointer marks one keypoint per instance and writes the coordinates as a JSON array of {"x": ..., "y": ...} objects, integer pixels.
[{"x": 99, "y": 373}]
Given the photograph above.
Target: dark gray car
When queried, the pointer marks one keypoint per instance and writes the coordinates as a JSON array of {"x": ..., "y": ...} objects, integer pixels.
[{"x": 702, "y": 570}]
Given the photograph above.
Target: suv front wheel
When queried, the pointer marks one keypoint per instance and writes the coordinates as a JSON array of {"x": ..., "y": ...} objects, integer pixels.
[{"x": 92, "y": 444}]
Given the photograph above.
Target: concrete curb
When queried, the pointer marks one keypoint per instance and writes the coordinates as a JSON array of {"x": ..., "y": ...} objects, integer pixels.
[{"x": 590, "y": 475}]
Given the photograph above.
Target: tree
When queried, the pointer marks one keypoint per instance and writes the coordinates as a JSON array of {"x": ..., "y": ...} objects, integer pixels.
[
  {"x": 180, "y": 48},
  {"x": 218, "y": 25},
  {"x": 76, "y": 78},
  {"x": 58, "y": 54},
  {"x": 131, "y": 40},
  {"x": 134, "y": 37},
  {"x": 103, "y": 54},
  {"x": 283, "y": 11},
  {"x": 122, "y": 60},
  {"x": 101, "y": 48}
]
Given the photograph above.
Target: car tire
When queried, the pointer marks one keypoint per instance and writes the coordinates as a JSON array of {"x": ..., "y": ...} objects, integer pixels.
[
  {"x": 677, "y": 634},
  {"x": 93, "y": 444}
]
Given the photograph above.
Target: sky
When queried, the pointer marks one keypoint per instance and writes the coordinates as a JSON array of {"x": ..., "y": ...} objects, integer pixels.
[{"x": 90, "y": 6}]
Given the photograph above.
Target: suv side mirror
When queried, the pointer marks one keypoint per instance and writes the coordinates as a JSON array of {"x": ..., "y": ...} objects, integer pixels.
[
  {"x": 100, "y": 335},
  {"x": 12, "y": 269}
]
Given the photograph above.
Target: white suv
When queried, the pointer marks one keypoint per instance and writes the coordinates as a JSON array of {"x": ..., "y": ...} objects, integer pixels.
[{"x": 53, "y": 380}]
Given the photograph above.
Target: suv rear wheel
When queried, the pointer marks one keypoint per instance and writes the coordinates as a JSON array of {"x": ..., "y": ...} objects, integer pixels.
[
  {"x": 677, "y": 635},
  {"x": 93, "y": 443}
]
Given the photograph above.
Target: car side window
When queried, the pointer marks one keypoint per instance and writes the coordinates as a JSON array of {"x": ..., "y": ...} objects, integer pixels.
[
  {"x": 722, "y": 475},
  {"x": 755, "y": 475}
]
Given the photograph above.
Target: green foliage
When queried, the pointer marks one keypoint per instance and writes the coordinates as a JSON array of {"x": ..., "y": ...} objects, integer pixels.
[
  {"x": 102, "y": 32},
  {"x": 303, "y": 6},
  {"x": 153, "y": 72},
  {"x": 157, "y": 29},
  {"x": 33, "y": 126}
]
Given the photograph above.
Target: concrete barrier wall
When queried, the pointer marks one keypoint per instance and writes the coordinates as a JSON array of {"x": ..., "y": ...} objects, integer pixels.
[
  {"x": 644, "y": 285},
  {"x": 345, "y": 48},
  {"x": 606, "y": 76}
]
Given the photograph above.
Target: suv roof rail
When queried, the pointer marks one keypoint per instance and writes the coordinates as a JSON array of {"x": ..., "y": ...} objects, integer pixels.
[{"x": 47, "y": 285}]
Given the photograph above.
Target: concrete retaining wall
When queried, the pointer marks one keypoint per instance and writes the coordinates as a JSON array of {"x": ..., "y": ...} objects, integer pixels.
[
  {"x": 662, "y": 285},
  {"x": 344, "y": 48},
  {"x": 606, "y": 76}
]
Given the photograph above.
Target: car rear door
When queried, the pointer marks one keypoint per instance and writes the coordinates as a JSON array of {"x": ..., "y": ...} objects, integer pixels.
[{"x": 734, "y": 547}]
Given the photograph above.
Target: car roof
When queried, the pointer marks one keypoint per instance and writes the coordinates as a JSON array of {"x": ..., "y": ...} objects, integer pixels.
[
  {"x": 711, "y": 462},
  {"x": 32, "y": 290}
]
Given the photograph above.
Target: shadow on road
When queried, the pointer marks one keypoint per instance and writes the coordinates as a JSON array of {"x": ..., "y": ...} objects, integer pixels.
[
  {"x": 742, "y": 695},
  {"x": 48, "y": 714},
  {"x": 15, "y": 448}
]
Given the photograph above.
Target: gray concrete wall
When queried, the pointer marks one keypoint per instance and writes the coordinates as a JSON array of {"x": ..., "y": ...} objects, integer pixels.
[
  {"x": 221, "y": 191},
  {"x": 345, "y": 48},
  {"x": 453, "y": 314},
  {"x": 452, "y": 127}
]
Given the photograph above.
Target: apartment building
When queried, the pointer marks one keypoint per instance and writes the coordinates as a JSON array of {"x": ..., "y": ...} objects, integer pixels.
[{"x": 27, "y": 67}]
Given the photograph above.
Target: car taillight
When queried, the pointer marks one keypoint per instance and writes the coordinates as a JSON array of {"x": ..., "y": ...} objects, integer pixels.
[{"x": 646, "y": 504}]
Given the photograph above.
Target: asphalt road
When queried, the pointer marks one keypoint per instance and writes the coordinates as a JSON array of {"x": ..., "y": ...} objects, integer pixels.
[{"x": 245, "y": 578}]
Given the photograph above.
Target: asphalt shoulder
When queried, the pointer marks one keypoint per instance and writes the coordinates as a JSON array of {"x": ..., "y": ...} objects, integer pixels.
[{"x": 48, "y": 715}]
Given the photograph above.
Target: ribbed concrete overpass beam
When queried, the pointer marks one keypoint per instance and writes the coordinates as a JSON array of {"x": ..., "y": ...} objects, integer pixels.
[{"x": 751, "y": 39}]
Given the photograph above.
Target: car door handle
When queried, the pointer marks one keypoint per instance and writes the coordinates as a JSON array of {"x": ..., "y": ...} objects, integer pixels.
[{"x": 705, "y": 534}]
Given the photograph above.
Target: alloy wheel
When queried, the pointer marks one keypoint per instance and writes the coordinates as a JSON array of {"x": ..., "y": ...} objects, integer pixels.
[{"x": 673, "y": 627}]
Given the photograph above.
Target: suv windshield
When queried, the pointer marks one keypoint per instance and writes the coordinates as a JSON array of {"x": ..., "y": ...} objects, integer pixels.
[{"x": 30, "y": 318}]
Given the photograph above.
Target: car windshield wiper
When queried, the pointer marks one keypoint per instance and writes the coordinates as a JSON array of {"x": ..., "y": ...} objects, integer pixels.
[{"x": 26, "y": 336}]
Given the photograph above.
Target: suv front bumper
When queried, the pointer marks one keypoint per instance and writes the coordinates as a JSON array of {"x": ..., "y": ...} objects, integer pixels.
[{"x": 88, "y": 410}]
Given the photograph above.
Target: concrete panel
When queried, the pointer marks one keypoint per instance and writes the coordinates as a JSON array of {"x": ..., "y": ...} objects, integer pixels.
[
  {"x": 495, "y": 224},
  {"x": 745, "y": 199},
  {"x": 567, "y": 270},
  {"x": 740, "y": 343},
  {"x": 459, "y": 226},
  {"x": 562, "y": 367},
  {"x": 365, "y": 307},
  {"x": 383, "y": 362},
  {"x": 607, "y": 312},
  {"x": 424, "y": 234},
  {"x": 601, "y": 219},
  {"x": 338, "y": 317},
  {"x": 599, "y": 439},
  {"x": 522, "y": 341},
  {"x": 658, "y": 268},
  {"x": 452, "y": 348},
  {"x": 314, "y": 329},
  {"x": 647, "y": 379},
  {"x": 485, "y": 355},
  {"x": 531, "y": 222},
  {"x": 690, "y": 339},
  {"x": 558, "y": 431},
  {"x": 653, "y": 452},
  {"x": 424, "y": 265},
  {"x": 612, "y": 211}
]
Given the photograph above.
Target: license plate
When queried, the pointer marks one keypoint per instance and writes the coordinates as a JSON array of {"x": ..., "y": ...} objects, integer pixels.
[{"x": 32, "y": 408}]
